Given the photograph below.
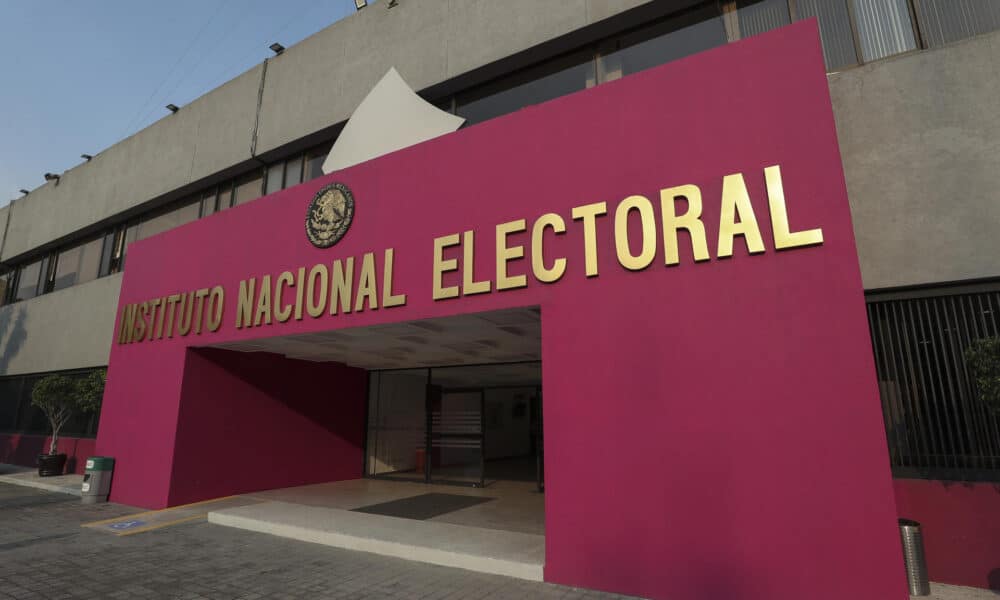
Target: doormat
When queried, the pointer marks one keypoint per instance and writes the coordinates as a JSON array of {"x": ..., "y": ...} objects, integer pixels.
[{"x": 424, "y": 506}]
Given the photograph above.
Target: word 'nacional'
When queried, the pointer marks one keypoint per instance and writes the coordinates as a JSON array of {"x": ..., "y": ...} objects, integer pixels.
[{"x": 346, "y": 285}]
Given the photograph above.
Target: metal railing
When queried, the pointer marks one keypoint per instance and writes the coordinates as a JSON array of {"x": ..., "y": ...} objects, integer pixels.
[{"x": 936, "y": 425}]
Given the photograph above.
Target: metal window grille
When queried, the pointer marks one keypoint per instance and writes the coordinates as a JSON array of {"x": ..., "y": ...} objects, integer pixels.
[{"x": 936, "y": 425}]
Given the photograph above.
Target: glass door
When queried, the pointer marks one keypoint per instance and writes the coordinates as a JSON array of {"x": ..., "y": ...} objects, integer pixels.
[{"x": 456, "y": 436}]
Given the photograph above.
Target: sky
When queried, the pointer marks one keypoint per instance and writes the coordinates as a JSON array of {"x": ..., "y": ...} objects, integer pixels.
[{"x": 78, "y": 76}]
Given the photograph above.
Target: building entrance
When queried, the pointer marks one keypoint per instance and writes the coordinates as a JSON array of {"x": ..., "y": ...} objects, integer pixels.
[{"x": 465, "y": 425}]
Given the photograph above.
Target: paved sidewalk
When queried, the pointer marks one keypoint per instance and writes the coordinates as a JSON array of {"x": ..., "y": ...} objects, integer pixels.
[
  {"x": 45, "y": 553},
  {"x": 28, "y": 477}
]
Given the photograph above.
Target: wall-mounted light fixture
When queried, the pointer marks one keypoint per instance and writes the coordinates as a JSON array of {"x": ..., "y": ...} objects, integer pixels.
[
  {"x": 86, "y": 157},
  {"x": 24, "y": 191},
  {"x": 51, "y": 177},
  {"x": 276, "y": 48},
  {"x": 172, "y": 108},
  {"x": 359, "y": 4}
]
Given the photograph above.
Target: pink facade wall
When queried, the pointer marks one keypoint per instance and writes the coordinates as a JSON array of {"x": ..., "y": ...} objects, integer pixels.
[
  {"x": 259, "y": 421},
  {"x": 961, "y": 530},
  {"x": 712, "y": 429},
  {"x": 21, "y": 449}
]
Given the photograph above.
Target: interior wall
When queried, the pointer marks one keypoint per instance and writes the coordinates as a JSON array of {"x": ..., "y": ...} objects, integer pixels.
[
  {"x": 508, "y": 424},
  {"x": 267, "y": 422}
]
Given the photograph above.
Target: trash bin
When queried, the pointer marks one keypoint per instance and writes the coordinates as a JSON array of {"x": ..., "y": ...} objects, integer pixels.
[
  {"x": 913, "y": 555},
  {"x": 97, "y": 479}
]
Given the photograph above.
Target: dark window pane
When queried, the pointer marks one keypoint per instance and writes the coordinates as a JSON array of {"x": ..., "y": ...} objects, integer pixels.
[
  {"x": 131, "y": 234},
  {"x": 248, "y": 188},
  {"x": 758, "y": 16},
  {"x": 834, "y": 30},
  {"x": 10, "y": 399},
  {"x": 107, "y": 254},
  {"x": 314, "y": 162},
  {"x": 6, "y": 278},
  {"x": 274, "y": 174},
  {"x": 79, "y": 264},
  {"x": 225, "y": 199},
  {"x": 293, "y": 172},
  {"x": 686, "y": 34},
  {"x": 27, "y": 281},
  {"x": 169, "y": 220},
  {"x": 884, "y": 28},
  {"x": 208, "y": 202},
  {"x": 946, "y": 21},
  {"x": 549, "y": 80}
]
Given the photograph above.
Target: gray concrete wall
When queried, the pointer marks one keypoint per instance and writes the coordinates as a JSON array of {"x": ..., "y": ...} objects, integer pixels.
[
  {"x": 68, "y": 329},
  {"x": 204, "y": 137},
  {"x": 920, "y": 139},
  {"x": 313, "y": 85}
]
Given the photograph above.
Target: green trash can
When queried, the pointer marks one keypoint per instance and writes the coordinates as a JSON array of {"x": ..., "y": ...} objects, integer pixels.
[{"x": 97, "y": 479}]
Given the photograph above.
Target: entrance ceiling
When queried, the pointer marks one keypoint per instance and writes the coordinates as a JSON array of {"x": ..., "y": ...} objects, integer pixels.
[{"x": 511, "y": 335}]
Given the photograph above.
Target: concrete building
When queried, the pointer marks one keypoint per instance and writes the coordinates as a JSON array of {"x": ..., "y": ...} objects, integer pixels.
[{"x": 913, "y": 87}]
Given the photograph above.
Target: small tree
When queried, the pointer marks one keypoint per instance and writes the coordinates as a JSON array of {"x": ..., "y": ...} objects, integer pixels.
[
  {"x": 983, "y": 360},
  {"x": 60, "y": 397}
]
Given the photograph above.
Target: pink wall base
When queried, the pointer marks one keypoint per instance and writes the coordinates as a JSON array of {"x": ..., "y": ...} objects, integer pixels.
[
  {"x": 23, "y": 450},
  {"x": 961, "y": 528}
]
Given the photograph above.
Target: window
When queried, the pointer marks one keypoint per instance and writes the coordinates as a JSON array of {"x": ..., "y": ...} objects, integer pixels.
[
  {"x": 884, "y": 28},
  {"x": 78, "y": 264},
  {"x": 225, "y": 199},
  {"x": 17, "y": 415},
  {"x": 693, "y": 31},
  {"x": 275, "y": 175},
  {"x": 28, "y": 279},
  {"x": 208, "y": 206},
  {"x": 6, "y": 285},
  {"x": 946, "y": 21},
  {"x": 936, "y": 424},
  {"x": 169, "y": 220},
  {"x": 248, "y": 188},
  {"x": 108, "y": 246},
  {"x": 758, "y": 16},
  {"x": 834, "y": 30},
  {"x": 293, "y": 172},
  {"x": 314, "y": 162}
]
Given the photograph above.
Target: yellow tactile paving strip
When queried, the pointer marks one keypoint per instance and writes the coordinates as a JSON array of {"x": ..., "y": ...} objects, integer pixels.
[{"x": 150, "y": 520}]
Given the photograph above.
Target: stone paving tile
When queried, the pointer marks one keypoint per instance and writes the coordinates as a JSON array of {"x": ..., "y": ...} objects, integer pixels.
[{"x": 44, "y": 553}]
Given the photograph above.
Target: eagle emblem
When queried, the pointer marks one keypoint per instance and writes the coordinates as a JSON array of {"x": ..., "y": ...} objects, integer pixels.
[{"x": 329, "y": 215}]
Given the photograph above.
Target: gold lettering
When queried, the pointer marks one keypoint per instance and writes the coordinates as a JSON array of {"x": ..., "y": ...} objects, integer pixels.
[
  {"x": 126, "y": 324},
  {"x": 442, "y": 266},
  {"x": 543, "y": 273},
  {"x": 282, "y": 313},
  {"x": 153, "y": 305},
  {"x": 470, "y": 286},
  {"x": 263, "y": 314},
  {"x": 314, "y": 306},
  {"x": 341, "y": 285},
  {"x": 736, "y": 204},
  {"x": 140, "y": 323},
  {"x": 589, "y": 213},
  {"x": 216, "y": 302},
  {"x": 388, "y": 298},
  {"x": 648, "y": 220},
  {"x": 691, "y": 221},
  {"x": 367, "y": 288},
  {"x": 783, "y": 237},
  {"x": 184, "y": 320},
  {"x": 299, "y": 291},
  {"x": 172, "y": 308},
  {"x": 199, "y": 296},
  {"x": 507, "y": 253},
  {"x": 244, "y": 304}
]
